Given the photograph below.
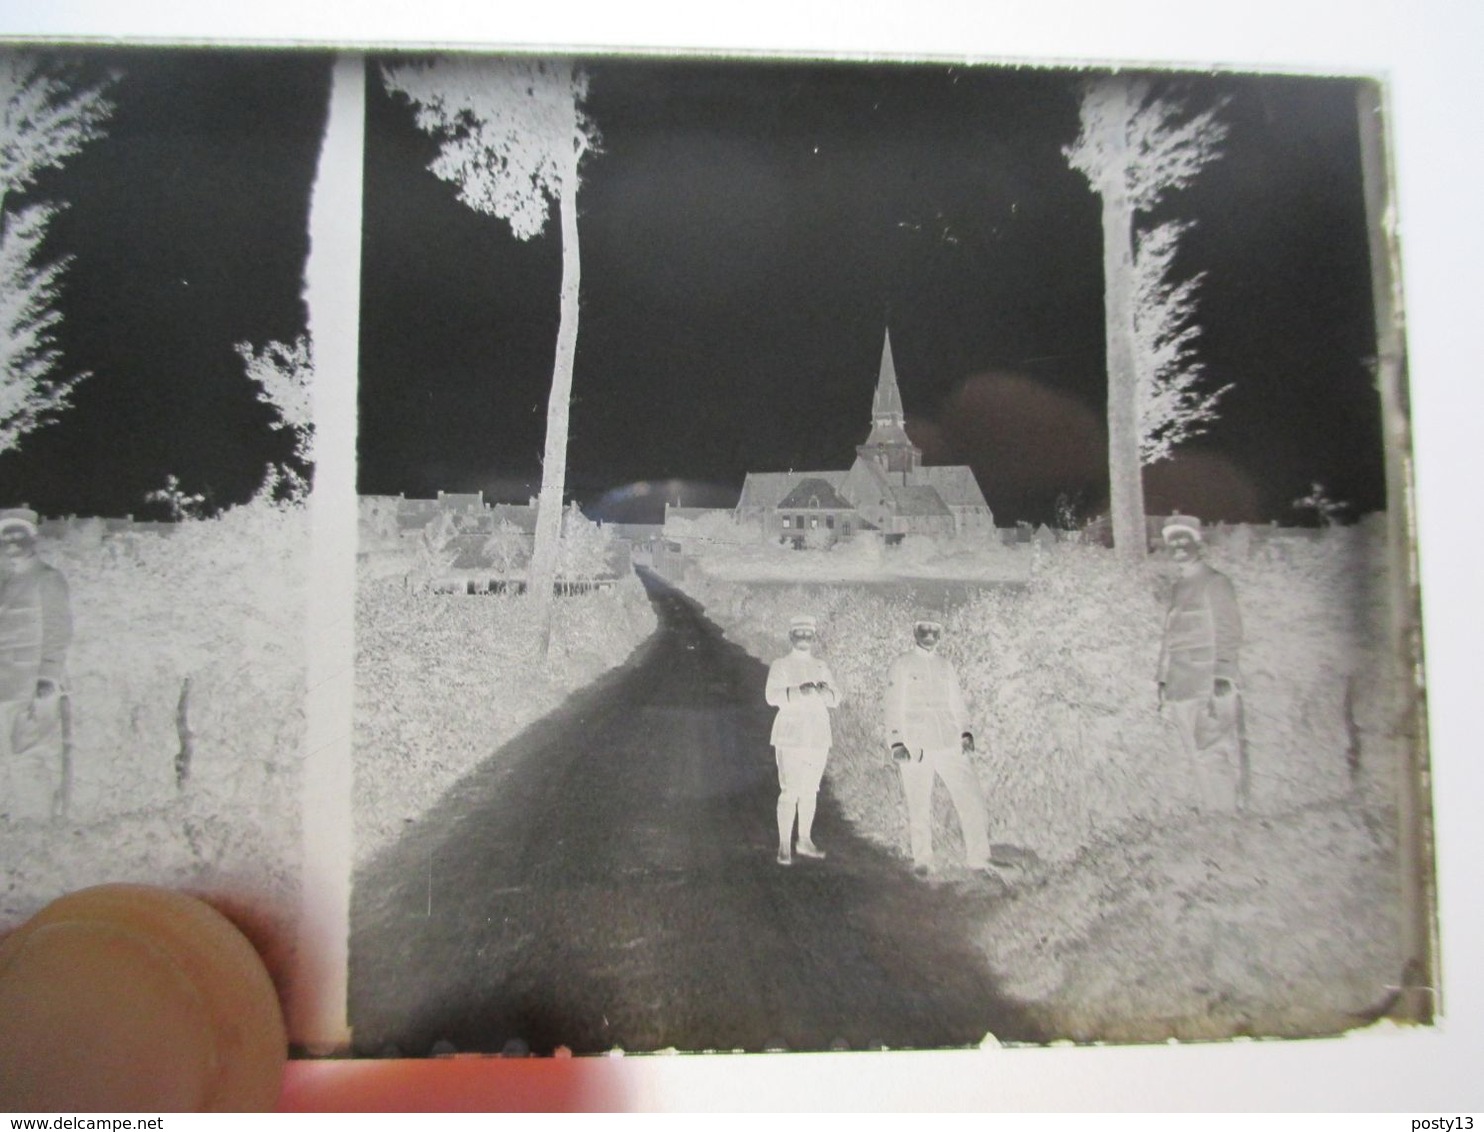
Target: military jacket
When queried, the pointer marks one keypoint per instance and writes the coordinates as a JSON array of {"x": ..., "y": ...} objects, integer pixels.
[
  {"x": 925, "y": 706},
  {"x": 1202, "y": 636},
  {"x": 35, "y": 630},
  {"x": 803, "y": 720}
]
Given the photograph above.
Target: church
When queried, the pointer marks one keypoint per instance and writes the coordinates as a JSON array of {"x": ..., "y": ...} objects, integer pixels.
[{"x": 886, "y": 489}]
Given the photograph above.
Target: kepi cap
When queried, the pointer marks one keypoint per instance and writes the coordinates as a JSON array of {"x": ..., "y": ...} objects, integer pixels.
[
  {"x": 802, "y": 621},
  {"x": 1178, "y": 522},
  {"x": 18, "y": 517},
  {"x": 927, "y": 617}
]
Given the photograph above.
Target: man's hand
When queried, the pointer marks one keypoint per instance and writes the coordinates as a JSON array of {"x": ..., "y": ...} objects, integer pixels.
[
  {"x": 807, "y": 689},
  {"x": 968, "y": 742},
  {"x": 45, "y": 688},
  {"x": 1223, "y": 686},
  {"x": 899, "y": 753},
  {"x": 1160, "y": 698}
]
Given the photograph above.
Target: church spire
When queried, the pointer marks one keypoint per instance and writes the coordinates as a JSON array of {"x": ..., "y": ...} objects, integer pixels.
[
  {"x": 886, "y": 408},
  {"x": 888, "y": 445}
]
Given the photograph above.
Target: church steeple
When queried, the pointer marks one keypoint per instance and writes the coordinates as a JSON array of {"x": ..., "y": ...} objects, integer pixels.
[
  {"x": 887, "y": 406},
  {"x": 888, "y": 444}
]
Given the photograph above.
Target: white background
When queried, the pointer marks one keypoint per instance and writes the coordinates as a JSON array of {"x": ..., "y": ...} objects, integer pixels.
[{"x": 1429, "y": 50}]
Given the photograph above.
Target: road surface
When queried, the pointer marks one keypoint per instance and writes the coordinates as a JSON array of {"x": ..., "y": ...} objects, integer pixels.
[{"x": 607, "y": 880}]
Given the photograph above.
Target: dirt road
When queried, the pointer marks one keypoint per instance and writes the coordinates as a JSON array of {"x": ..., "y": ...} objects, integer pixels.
[{"x": 607, "y": 880}]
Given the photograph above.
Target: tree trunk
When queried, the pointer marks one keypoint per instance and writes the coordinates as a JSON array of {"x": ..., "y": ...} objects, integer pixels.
[
  {"x": 1125, "y": 471},
  {"x": 554, "y": 460}
]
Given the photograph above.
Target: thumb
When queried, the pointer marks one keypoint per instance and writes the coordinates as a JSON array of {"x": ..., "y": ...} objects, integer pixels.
[{"x": 124, "y": 998}]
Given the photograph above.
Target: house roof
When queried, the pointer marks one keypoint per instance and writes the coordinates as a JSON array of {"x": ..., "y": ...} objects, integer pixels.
[
  {"x": 695, "y": 512},
  {"x": 637, "y": 532},
  {"x": 413, "y": 514},
  {"x": 815, "y": 492},
  {"x": 462, "y": 500},
  {"x": 522, "y": 516},
  {"x": 766, "y": 489}
]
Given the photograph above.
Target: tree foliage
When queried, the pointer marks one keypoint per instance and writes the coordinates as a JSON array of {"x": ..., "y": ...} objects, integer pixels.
[
  {"x": 1319, "y": 503},
  {"x": 1173, "y": 405},
  {"x": 29, "y": 396},
  {"x": 44, "y": 120},
  {"x": 1141, "y": 146},
  {"x": 585, "y": 545},
  {"x": 506, "y": 548},
  {"x": 284, "y": 375},
  {"x": 505, "y": 127},
  {"x": 179, "y": 503}
]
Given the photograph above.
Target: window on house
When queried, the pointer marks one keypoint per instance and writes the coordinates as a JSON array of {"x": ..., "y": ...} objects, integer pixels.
[
  {"x": 829, "y": 521},
  {"x": 787, "y": 522},
  {"x": 813, "y": 522}
]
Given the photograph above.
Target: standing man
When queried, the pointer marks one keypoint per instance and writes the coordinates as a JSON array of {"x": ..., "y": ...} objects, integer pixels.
[
  {"x": 927, "y": 725},
  {"x": 35, "y": 630},
  {"x": 1198, "y": 676},
  {"x": 801, "y": 688}
]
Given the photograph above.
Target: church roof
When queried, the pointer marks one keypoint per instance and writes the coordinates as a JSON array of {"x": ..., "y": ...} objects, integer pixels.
[
  {"x": 918, "y": 500},
  {"x": 815, "y": 492},
  {"x": 954, "y": 482}
]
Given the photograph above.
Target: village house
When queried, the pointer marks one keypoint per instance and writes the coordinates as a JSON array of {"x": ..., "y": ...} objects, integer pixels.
[
  {"x": 886, "y": 489},
  {"x": 486, "y": 547}
]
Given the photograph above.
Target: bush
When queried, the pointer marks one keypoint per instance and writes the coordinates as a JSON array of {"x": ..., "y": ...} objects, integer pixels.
[
  {"x": 190, "y": 641},
  {"x": 443, "y": 680},
  {"x": 1061, "y": 677}
]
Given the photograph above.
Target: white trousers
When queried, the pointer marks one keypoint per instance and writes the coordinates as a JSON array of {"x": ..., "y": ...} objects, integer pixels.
[
  {"x": 800, "y": 770},
  {"x": 952, "y": 765}
]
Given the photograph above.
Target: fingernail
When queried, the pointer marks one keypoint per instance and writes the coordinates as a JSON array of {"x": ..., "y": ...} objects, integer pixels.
[{"x": 98, "y": 1018}]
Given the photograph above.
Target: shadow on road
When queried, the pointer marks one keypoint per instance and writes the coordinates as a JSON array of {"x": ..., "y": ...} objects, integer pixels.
[{"x": 606, "y": 880}]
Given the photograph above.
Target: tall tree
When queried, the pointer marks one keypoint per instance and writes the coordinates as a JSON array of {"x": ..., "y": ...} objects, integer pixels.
[
  {"x": 44, "y": 120},
  {"x": 513, "y": 133},
  {"x": 1134, "y": 148}
]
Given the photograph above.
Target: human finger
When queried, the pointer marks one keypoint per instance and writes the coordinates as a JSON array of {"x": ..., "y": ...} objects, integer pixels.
[{"x": 126, "y": 997}]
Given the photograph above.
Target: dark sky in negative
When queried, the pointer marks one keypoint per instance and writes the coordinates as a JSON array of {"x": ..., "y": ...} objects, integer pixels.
[
  {"x": 187, "y": 225},
  {"x": 748, "y": 230}
]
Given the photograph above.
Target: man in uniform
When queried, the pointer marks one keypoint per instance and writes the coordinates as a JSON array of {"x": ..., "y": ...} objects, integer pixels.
[
  {"x": 1198, "y": 676},
  {"x": 927, "y": 726},
  {"x": 801, "y": 688},
  {"x": 35, "y": 630}
]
